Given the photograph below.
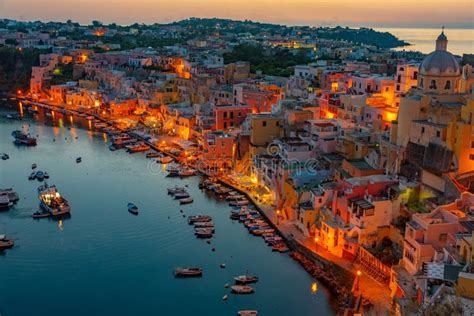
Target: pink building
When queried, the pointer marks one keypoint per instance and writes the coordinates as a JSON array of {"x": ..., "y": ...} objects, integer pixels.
[
  {"x": 428, "y": 235},
  {"x": 218, "y": 150},
  {"x": 229, "y": 116}
]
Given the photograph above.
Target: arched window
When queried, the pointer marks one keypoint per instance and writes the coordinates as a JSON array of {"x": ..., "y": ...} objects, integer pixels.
[
  {"x": 447, "y": 85},
  {"x": 433, "y": 85}
]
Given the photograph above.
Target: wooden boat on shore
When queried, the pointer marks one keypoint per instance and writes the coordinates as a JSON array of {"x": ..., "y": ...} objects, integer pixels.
[
  {"x": 242, "y": 289},
  {"x": 188, "y": 272},
  {"x": 132, "y": 208},
  {"x": 245, "y": 279},
  {"x": 5, "y": 243}
]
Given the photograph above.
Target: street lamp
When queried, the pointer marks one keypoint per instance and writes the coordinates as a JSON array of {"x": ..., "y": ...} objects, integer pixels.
[
  {"x": 316, "y": 239},
  {"x": 357, "y": 280}
]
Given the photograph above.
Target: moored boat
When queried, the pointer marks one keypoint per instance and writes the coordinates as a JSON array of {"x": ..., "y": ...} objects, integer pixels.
[
  {"x": 153, "y": 154},
  {"x": 5, "y": 156},
  {"x": 247, "y": 313},
  {"x": 176, "y": 189},
  {"x": 78, "y": 159},
  {"x": 187, "y": 272},
  {"x": 199, "y": 219},
  {"x": 132, "y": 208},
  {"x": 186, "y": 172},
  {"x": 12, "y": 195},
  {"x": 203, "y": 224},
  {"x": 246, "y": 279},
  {"x": 41, "y": 214},
  {"x": 181, "y": 195},
  {"x": 164, "y": 160},
  {"x": 5, "y": 202},
  {"x": 22, "y": 138},
  {"x": 186, "y": 200},
  {"x": 5, "y": 243},
  {"x": 51, "y": 201},
  {"x": 242, "y": 289},
  {"x": 138, "y": 147},
  {"x": 40, "y": 175}
]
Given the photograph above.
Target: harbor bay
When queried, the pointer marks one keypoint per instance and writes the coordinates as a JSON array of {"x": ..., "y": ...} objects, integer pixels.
[{"x": 103, "y": 260}]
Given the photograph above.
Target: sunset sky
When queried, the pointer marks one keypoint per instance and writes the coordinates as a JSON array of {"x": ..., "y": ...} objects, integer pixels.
[{"x": 394, "y": 13}]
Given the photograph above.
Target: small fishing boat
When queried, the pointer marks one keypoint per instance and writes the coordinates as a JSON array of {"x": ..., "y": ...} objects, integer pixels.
[
  {"x": 186, "y": 172},
  {"x": 199, "y": 219},
  {"x": 32, "y": 176},
  {"x": 99, "y": 125},
  {"x": 78, "y": 159},
  {"x": 132, "y": 208},
  {"x": 280, "y": 247},
  {"x": 204, "y": 229},
  {"x": 203, "y": 224},
  {"x": 242, "y": 289},
  {"x": 245, "y": 279},
  {"x": 181, "y": 195},
  {"x": 138, "y": 147},
  {"x": 173, "y": 171},
  {"x": 234, "y": 197},
  {"x": 164, "y": 160},
  {"x": 40, "y": 175},
  {"x": 187, "y": 272},
  {"x": 5, "y": 243},
  {"x": 259, "y": 232},
  {"x": 239, "y": 203},
  {"x": 33, "y": 166},
  {"x": 153, "y": 154},
  {"x": 12, "y": 195},
  {"x": 40, "y": 214},
  {"x": 46, "y": 175},
  {"x": 5, "y": 157},
  {"x": 5, "y": 202},
  {"x": 176, "y": 189},
  {"x": 247, "y": 313},
  {"x": 22, "y": 138},
  {"x": 186, "y": 200},
  {"x": 201, "y": 233}
]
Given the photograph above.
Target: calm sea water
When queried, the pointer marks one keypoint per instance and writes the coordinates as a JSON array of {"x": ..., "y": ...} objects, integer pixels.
[
  {"x": 104, "y": 261},
  {"x": 460, "y": 41}
]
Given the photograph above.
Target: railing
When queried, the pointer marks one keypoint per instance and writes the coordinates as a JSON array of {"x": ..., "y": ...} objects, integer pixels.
[{"x": 373, "y": 266}]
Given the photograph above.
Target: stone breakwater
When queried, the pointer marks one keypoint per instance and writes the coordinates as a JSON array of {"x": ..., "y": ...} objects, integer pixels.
[{"x": 341, "y": 294}]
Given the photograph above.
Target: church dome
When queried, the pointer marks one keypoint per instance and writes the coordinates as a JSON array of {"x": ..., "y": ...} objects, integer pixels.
[{"x": 440, "y": 62}]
